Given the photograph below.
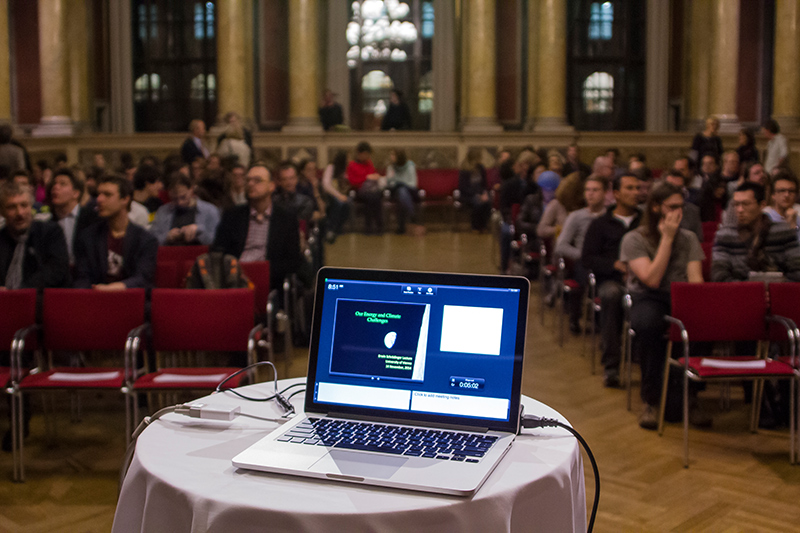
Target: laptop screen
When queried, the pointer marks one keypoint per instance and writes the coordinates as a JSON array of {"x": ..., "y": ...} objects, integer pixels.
[{"x": 441, "y": 348}]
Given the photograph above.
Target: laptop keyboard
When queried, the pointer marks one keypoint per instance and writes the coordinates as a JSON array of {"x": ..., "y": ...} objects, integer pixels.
[{"x": 395, "y": 440}]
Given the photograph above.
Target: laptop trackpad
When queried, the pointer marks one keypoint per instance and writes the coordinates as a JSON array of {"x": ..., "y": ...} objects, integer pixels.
[{"x": 364, "y": 465}]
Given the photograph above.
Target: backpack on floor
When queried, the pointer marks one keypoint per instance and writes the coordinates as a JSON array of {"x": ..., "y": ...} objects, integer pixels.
[{"x": 215, "y": 270}]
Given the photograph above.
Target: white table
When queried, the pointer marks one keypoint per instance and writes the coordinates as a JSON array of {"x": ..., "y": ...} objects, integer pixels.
[{"x": 181, "y": 479}]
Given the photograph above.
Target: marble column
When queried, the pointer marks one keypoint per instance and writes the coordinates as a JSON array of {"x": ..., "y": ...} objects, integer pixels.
[
  {"x": 304, "y": 88},
  {"x": 54, "y": 59},
  {"x": 479, "y": 41},
  {"x": 725, "y": 65},
  {"x": 700, "y": 28},
  {"x": 443, "y": 117},
  {"x": 785, "y": 95},
  {"x": 5, "y": 65},
  {"x": 657, "y": 76},
  {"x": 78, "y": 31},
  {"x": 551, "y": 89},
  {"x": 231, "y": 57},
  {"x": 533, "y": 55},
  {"x": 121, "y": 66}
]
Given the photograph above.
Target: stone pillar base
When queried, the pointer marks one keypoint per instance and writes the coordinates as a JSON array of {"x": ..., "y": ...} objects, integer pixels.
[
  {"x": 728, "y": 123},
  {"x": 788, "y": 124},
  {"x": 481, "y": 125},
  {"x": 552, "y": 124},
  {"x": 54, "y": 127},
  {"x": 303, "y": 125}
]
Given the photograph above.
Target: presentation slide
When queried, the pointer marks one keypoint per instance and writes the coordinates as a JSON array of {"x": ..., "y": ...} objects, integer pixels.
[
  {"x": 474, "y": 330},
  {"x": 385, "y": 340}
]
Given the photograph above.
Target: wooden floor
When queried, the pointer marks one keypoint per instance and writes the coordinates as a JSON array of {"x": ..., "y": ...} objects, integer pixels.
[{"x": 737, "y": 481}]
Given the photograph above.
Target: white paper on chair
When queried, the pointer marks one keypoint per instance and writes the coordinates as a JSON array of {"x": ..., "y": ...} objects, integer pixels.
[
  {"x": 184, "y": 378},
  {"x": 723, "y": 363},
  {"x": 80, "y": 377}
]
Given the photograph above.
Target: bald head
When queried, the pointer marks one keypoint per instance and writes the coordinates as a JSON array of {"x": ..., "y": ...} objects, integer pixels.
[{"x": 603, "y": 166}]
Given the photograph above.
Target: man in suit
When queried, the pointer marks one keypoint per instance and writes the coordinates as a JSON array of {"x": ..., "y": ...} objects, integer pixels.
[
  {"x": 33, "y": 254},
  {"x": 66, "y": 190},
  {"x": 260, "y": 230},
  {"x": 194, "y": 147},
  {"x": 114, "y": 253}
]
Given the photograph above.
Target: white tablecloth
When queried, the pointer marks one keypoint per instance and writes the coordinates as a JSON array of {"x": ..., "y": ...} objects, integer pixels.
[{"x": 181, "y": 479}]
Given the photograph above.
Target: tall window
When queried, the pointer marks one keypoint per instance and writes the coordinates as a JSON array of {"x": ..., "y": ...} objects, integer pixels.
[
  {"x": 175, "y": 63},
  {"x": 601, "y": 21},
  {"x": 390, "y": 48}
]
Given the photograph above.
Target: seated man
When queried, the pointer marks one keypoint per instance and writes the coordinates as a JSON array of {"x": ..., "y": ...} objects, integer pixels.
[
  {"x": 784, "y": 197},
  {"x": 287, "y": 197},
  {"x": 147, "y": 189},
  {"x": 755, "y": 243},
  {"x": 363, "y": 179},
  {"x": 33, "y": 254},
  {"x": 570, "y": 242},
  {"x": 260, "y": 230},
  {"x": 114, "y": 253},
  {"x": 186, "y": 219},
  {"x": 601, "y": 255},
  {"x": 66, "y": 190}
]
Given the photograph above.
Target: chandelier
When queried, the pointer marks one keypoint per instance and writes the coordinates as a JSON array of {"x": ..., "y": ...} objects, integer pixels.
[{"x": 378, "y": 31}]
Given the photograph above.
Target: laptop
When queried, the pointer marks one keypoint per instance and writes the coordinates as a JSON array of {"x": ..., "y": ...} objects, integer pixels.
[{"x": 413, "y": 382}]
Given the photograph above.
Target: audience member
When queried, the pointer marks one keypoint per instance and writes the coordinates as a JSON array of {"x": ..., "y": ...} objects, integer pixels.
[
  {"x": 571, "y": 187},
  {"x": 713, "y": 200},
  {"x": 12, "y": 156},
  {"x": 147, "y": 187},
  {"x": 747, "y": 147},
  {"x": 777, "y": 152},
  {"x": 235, "y": 188},
  {"x": 288, "y": 197},
  {"x": 398, "y": 115},
  {"x": 33, "y": 253},
  {"x": 364, "y": 180},
  {"x": 336, "y": 185},
  {"x": 754, "y": 243},
  {"x": 574, "y": 163},
  {"x": 65, "y": 192},
  {"x": 186, "y": 219},
  {"x": 706, "y": 142},
  {"x": 570, "y": 241},
  {"x": 194, "y": 146},
  {"x": 754, "y": 173},
  {"x": 657, "y": 253},
  {"x": 42, "y": 174},
  {"x": 113, "y": 253},
  {"x": 401, "y": 176},
  {"x": 555, "y": 162},
  {"x": 330, "y": 111},
  {"x": 730, "y": 166},
  {"x": 261, "y": 230},
  {"x": 600, "y": 255},
  {"x": 233, "y": 120},
  {"x": 211, "y": 187},
  {"x": 784, "y": 206},
  {"x": 473, "y": 188},
  {"x": 232, "y": 147},
  {"x": 690, "y": 213}
]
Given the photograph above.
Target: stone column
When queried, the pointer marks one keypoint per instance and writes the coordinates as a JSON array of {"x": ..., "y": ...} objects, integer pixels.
[
  {"x": 551, "y": 89},
  {"x": 55, "y": 75},
  {"x": 700, "y": 27},
  {"x": 5, "y": 65},
  {"x": 443, "y": 117},
  {"x": 337, "y": 71},
  {"x": 657, "y": 84},
  {"x": 231, "y": 57},
  {"x": 785, "y": 96},
  {"x": 79, "y": 31},
  {"x": 304, "y": 89},
  {"x": 725, "y": 64},
  {"x": 533, "y": 61},
  {"x": 121, "y": 65},
  {"x": 479, "y": 41}
]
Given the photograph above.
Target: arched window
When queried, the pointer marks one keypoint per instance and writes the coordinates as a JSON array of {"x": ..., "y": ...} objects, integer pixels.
[
  {"x": 598, "y": 93},
  {"x": 601, "y": 21}
]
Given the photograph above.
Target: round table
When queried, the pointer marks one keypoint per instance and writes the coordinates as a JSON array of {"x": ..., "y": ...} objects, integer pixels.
[{"x": 181, "y": 479}]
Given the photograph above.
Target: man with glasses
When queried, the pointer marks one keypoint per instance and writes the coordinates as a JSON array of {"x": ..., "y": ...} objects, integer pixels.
[
  {"x": 186, "y": 219},
  {"x": 755, "y": 244},
  {"x": 784, "y": 206}
]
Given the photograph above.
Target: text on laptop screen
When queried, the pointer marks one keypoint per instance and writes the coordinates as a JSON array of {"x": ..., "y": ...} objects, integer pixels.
[{"x": 427, "y": 349}]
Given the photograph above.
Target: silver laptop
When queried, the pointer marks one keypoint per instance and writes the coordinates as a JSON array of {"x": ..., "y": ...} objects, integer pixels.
[{"x": 413, "y": 382}]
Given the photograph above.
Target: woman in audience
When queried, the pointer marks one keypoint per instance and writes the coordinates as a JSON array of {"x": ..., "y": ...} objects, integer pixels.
[
  {"x": 473, "y": 189},
  {"x": 707, "y": 142},
  {"x": 336, "y": 186},
  {"x": 364, "y": 179},
  {"x": 232, "y": 148},
  {"x": 555, "y": 162},
  {"x": 657, "y": 253},
  {"x": 401, "y": 176},
  {"x": 747, "y": 147}
]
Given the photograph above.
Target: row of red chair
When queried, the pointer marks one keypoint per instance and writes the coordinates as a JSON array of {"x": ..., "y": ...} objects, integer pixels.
[{"x": 86, "y": 320}]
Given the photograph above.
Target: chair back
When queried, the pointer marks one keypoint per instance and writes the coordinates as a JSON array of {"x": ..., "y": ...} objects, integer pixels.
[
  {"x": 180, "y": 253},
  {"x": 784, "y": 300},
  {"x": 17, "y": 311},
  {"x": 167, "y": 275},
  {"x": 201, "y": 319},
  {"x": 720, "y": 311},
  {"x": 258, "y": 272},
  {"x": 710, "y": 230},
  {"x": 173, "y": 264},
  {"x": 85, "y": 319},
  {"x": 706, "y": 265}
]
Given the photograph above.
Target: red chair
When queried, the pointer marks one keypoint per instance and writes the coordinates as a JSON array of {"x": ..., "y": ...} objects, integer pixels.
[
  {"x": 180, "y": 253},
  {"x": 173, "y": 264},
  {"x": 167, "y": 275},
  {"x": 707, "y": 247},
  {"x": 193, "y": 320},
  {"x": 81, "y": 320},
  {"x": 784, "y": 301},
  {"x": 709, "y": 231},
  {"x": 17, "y": 321},
  {"x": 720, "y": 312},
  {"x": 267, "y": 310}
]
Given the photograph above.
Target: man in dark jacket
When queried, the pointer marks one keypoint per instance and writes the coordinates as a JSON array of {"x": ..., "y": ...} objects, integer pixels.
[
  {"x": 33, "y": 254},
  {"x": 601, "y": 255},
  {"x": 260, "y": 230},
  {"x": 114, "y": 253}
]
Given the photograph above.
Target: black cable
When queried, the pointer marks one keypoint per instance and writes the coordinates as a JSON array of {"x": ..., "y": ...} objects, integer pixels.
[
  {"x": 531, "y": 421},
  {"x": 295, "y": 393}
]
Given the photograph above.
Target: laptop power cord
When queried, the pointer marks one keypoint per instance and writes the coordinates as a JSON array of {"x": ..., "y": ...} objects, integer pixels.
[{"x": 533, "y": 421}]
